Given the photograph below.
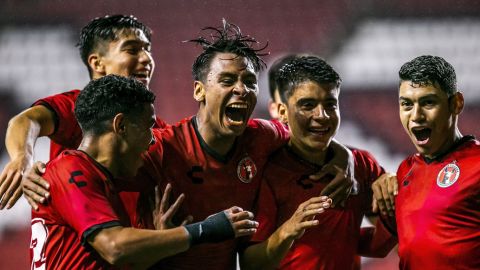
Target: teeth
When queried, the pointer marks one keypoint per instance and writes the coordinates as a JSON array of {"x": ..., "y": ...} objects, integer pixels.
[{"x": 238, "y": 106}]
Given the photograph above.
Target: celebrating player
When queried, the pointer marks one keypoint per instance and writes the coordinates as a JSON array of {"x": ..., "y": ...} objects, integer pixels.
[
  {"x": 437, "y": 207},
  {"x": 108, "y": 45},
  {"x": 288, "y": 199},
  {"x": 116, "y": 116}
]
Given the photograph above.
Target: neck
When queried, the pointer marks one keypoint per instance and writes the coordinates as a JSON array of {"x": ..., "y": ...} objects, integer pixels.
[
  {"x": 449, "y": 143},
  {"x": 100, "y": 149},
  {"x": 317, "y": 157},
  {"x": 219, "y": 143}
]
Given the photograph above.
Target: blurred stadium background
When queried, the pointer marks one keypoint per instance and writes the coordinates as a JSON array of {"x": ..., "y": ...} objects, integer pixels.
[{"x": 366, "y": 41}]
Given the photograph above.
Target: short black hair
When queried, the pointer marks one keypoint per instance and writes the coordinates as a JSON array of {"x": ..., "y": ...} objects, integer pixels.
[
  {"x": 273, "y": 70},
  {"x": 225, "y": 39},
  {"x": 106, "y": 29},
  {"x": 302, "y": 69},
  {"x": 430, "y": 70},
  {"x": 103, "y": 98}
]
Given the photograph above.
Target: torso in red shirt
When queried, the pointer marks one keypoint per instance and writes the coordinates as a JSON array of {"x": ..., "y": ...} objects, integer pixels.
[
  {"x": 438, "y": 210},
  {"x": 83, "y": 200},
  {"x": 333, "y": 243},
  {"x": 211, "y": 182}
]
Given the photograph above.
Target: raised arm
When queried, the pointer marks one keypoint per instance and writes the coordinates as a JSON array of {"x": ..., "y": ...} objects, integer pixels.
[
  {"x": 22, "y": 133},
  {"x": 269, "y": 253}
]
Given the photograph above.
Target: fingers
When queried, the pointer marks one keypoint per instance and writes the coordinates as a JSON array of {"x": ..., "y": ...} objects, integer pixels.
[
  {"x": 163, "y": 206},
  {"x": 168, "y": 215},
  {"x": 384, "y": 192},
  {"x": 245, "y": 227},
  {"x": 378, "y": 197},
  {"x": 5, "y": 181},
  {"x": 39, "y": 167},
  {"x": 239, "y": 215},
  {"x": 32, "y": 188},
  {"x": 16, "y": 195},
  {"x": 33, "y": 198}
]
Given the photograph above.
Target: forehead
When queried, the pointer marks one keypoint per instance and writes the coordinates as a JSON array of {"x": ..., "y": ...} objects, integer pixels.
[
  {"x": 129, "y": 34},
  {"x": 411, "y": 90},
  {"x": 230, "y": 62},
  {"x": 311, "y": 89}
]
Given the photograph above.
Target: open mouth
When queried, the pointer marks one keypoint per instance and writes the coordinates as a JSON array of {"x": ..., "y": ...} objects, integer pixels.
[
  {"x": 321, "y": 131},
  {"x": 143, "y": 77},
  {"x": 236, "y": 113},
  {"x": 422, "y": 135}
]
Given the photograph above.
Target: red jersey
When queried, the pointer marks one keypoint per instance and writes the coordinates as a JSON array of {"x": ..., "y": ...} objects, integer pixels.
[
  {"x": 67, "y": 133},
  {"x": 83, "y": 200},
  {"x": 210, "y": 181},
  {"x": 333, "y": 244},
  {"x": 438, "y": 209}
]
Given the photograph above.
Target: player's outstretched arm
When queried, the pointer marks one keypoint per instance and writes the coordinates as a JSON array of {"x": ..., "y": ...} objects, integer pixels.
[
  {"x": 342, "y": 167},
  {"x": 268, "y": 254},
  {"x": 120, "y": 245},
  {"x": 385, "y": 188},
  {"x": 22, "y": 133}
]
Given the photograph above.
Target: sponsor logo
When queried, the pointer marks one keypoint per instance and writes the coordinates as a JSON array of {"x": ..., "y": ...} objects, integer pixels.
[
  {"x": 448, "y": 175},
  {"x": 246, "y": 170}
]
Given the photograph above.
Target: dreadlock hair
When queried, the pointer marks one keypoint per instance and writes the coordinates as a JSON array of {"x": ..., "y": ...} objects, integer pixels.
[
  {"x": 428, "y": 70},
  {"x": 225, "y": 39},
  {"x": 103, "y": 98},
  {"x": 102, "y": 30},
  {"x": 302, "y": 69}
]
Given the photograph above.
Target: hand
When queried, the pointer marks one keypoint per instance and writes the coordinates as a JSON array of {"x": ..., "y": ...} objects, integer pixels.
[
  {"x": 242, "y": 221},
  {"x": 35, "y": 188},
  {"x": 385, "y": 188},
  {"x": 163, "y": 214},
  {"x": 304, "y": 217},
  {"x": 342, "y": 167},
  {"x": 10, "y": 180}
]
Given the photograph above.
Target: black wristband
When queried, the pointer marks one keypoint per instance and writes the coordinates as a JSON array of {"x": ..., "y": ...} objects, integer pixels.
[{"x": 215, "y": 228}]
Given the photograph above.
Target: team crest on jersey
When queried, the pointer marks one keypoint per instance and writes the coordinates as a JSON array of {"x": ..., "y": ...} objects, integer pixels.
[
  {"x": 246, "y": 170},
  {"x": 448, "y": 175}
]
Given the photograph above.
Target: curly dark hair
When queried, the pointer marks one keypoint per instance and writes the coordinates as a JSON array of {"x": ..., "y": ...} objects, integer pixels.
[
  {"x": 273, "y": 70},
  {"x": 430, "y": 70},
  {"x": 101, "y": 30},
  {"x": 302, "y": 69},
  {"x": 103, "y": 98},
  {"x": 225, "y": 39}
]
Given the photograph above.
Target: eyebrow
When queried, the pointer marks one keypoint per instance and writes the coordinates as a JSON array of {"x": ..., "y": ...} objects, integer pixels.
[
  {"x": 135, "y": 42},
  {"x": 421, "y": 98}
]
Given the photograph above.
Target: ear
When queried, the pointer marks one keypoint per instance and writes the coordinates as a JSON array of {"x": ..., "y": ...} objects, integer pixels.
[
  {"x": 273, "y": 109},
  {"x": 282, "y": 113},
  {"x": 457, "y": 103},
  {"x": 119, "y": 124},
  {"x": 95, "y": 62},
  {"x": 198, "y": 91}
]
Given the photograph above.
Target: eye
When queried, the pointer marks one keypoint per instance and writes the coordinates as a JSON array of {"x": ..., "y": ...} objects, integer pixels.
[
  {"x": 428, "y": 103},
  {"x": 227, "y": 81},
  {"x": 307, "y": 105},
  {"x": 331, "y": 105},
  {"x": 405, "y": 105}
]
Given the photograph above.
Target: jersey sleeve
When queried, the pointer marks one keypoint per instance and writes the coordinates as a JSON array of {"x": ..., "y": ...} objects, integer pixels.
[
  {"x": 80, "y": 197},
  {"x": 66, "y": 125},
  {"x": 271, "y": 135}
]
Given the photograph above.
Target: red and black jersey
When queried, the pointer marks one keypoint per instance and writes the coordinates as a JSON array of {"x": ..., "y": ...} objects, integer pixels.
[
  {"x": 438, "y": 209},
  {"x": 333, "y": 244},
  {"x": 211, "y": 182},
  {"x": 83, "y": 200},
  {"x": 67, "y": 134}
]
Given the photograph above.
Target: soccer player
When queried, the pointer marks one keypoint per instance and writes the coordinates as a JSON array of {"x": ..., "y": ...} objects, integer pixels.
[
  {"x": 108, "y": 45},
  {"x": 275, "y": 99},
  {"x": 437, "y": 207},
  {"x": 85, "y": 225},
  {"x": 288, "y": 201}
]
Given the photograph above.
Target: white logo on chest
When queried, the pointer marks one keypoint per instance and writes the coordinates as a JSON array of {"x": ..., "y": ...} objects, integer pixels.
[
  {"x": 448, "y": 175},
  {"x": 246, "y": 170}
]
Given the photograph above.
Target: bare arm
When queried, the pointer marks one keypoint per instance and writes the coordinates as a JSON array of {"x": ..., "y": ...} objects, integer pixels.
[
  {"x": 22, "y": 133},
  {"x": 268, "y": 254},
  {"x": 120, "y": 245}
]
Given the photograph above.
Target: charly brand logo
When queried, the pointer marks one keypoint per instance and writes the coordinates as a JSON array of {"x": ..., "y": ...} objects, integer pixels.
[
  {"x": 246, "y": 170},
  {"x": 448, "y": 175}
]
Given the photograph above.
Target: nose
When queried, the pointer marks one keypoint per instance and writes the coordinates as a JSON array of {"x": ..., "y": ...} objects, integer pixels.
[
  {"x": 146, "y": 57},
  {"x": 320, "y": 113},
  {"x": 417, "y": 114},
  {"x": 240, "y": 89}
]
